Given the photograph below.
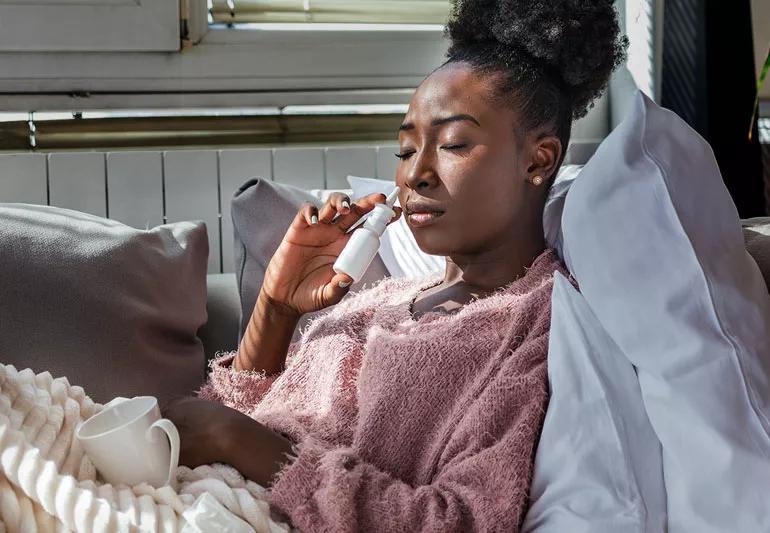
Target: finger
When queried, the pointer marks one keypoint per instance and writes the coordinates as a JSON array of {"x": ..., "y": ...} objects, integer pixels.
[
  {"x": 337, "y": 203},
  {"x": 305, "y": 215},
  {"x": 359, "y": 209},
  {"x": 333, "y": 292}
]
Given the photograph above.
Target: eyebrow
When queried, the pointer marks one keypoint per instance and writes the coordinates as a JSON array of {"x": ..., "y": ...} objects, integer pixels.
[{"x": 441, "y": 121}]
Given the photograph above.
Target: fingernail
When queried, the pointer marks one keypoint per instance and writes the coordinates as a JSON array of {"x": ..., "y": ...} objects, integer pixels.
[
  {"x": 314, "y": 219},
  {"x": 343, "y": 284},
  {"x": 345, "y": 204}
]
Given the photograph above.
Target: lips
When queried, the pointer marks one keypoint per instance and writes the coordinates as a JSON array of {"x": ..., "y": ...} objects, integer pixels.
[
  {"x": 421, "y": 212},
  {"x": 421, "y": 207},
  {"x": 419, "y": 220}
]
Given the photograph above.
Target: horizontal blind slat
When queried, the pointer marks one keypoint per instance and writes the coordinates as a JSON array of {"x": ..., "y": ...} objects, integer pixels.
[
  {"x": 211, "y": 131},
  {"x": 342, "y": 11}
]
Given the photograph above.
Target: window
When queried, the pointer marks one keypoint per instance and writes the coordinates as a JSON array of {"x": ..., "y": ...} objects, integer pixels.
[
  {"x": 643, "y": 21},
  {"x": 234, "y": 58},
  {"x": 89, "y": 25},
  {"x": 330, "y": 11},
  {"x": 241, "y": 65}
]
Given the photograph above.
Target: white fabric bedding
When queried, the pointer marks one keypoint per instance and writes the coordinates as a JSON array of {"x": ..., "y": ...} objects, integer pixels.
[{"x": 48, "y": 484}]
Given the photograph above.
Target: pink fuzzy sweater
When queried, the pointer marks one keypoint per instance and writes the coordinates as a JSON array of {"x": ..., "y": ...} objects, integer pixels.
[{"x": 403, "y": 424}]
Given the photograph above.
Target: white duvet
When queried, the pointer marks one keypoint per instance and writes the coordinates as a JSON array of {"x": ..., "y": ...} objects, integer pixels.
[{"x": 48, "y": 484}]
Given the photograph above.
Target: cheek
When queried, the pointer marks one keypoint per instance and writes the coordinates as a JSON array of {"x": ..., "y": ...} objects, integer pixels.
[{"x": 483, "y": 186}]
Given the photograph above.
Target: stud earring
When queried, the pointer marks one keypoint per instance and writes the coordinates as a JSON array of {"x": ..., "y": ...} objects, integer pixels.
[{"x": 537, "y": 181}]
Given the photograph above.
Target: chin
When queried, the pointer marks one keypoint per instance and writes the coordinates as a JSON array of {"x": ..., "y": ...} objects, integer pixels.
[{"x": 438, "y": 243}]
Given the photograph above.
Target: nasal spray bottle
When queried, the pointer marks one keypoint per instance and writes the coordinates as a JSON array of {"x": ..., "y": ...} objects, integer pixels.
[{"x": 364, "y": 244}]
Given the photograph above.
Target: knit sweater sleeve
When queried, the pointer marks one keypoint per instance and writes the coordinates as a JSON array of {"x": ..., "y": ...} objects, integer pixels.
[
  {"x": 239, "y": 389},
  {"x": 482, "y": 485},
  {"x": 242, "y": 390}
]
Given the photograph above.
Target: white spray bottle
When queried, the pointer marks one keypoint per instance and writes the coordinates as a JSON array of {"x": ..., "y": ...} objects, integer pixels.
[{"x": 365, "y": 242}]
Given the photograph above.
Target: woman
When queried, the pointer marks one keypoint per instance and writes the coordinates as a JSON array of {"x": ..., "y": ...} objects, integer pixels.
[{"x": 417, "y": 404}]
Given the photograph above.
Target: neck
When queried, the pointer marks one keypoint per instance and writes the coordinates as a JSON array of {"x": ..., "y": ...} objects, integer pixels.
[{"x": 494, "y": 267}]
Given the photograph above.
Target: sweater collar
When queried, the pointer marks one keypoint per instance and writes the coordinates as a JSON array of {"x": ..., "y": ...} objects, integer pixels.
[{"x": 543, "y": 266}]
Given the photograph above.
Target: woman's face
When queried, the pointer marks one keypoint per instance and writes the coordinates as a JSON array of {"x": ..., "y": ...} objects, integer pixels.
[{"x": 460, "y": 155}]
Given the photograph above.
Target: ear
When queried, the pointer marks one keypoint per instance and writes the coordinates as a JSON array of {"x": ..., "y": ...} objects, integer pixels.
[{"x": 544, "y": 157}]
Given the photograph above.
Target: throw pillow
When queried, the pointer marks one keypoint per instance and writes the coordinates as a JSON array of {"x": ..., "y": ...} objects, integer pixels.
[{"x": 113, "y": 308}]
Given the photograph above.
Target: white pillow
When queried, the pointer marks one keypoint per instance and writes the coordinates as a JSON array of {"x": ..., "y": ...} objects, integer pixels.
[
  {"x": 399, "y": 250},
  {"x": 654, "y": 239},
  {"x": 554, "y": 205},
  {"x": 598, "y": 467}
]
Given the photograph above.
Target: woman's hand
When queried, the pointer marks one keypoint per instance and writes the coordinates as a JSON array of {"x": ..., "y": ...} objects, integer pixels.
[
  {"x": 300, "y": 278},
  {"x": 210, "y": 432}
]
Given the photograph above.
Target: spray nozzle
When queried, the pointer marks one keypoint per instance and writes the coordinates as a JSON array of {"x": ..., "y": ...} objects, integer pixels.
[{"x": 391, "y": 199}]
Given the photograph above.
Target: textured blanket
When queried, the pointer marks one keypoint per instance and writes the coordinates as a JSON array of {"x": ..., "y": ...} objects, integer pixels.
[{"x": 48, "y": 484}]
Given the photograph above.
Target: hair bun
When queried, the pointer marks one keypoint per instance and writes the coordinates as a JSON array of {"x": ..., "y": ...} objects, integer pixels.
[{"x": 578, "y": 41}]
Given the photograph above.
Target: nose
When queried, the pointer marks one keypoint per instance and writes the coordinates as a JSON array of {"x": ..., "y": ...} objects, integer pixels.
[{"x": 421, "y": 173}]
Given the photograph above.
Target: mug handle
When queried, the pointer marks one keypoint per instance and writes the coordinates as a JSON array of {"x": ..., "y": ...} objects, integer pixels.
[{"x": 173, "y": 436}]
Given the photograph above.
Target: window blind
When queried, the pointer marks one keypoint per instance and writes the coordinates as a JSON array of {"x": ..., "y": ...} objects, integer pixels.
[
  {"x": 331, "y": 11},
  {"x": 217, "y": 131}
]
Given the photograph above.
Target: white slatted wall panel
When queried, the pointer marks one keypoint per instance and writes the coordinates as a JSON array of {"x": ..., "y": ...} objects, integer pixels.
[
  {"x": 387, "y": 161},
  {"x": 235, "y": 168},
  {"x": 301, "y": 167},
  {"x": 196, "y": 184},
  {"x": 341, "y": 162},
  {"x": 23, "y": 178},
  {"x": 135, "y": 188},
  {"x": 77, "y": 181},
  {"x": 192, "y": 193}
]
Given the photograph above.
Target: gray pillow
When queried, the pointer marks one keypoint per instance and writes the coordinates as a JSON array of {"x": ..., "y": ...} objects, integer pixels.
[
  {"x": 262, "y": 212},
  {"x": 756, "y": 235},
  {"x": 113, "y": 308}
]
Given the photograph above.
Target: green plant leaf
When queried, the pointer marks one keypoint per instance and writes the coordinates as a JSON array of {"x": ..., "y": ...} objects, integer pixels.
[{"x": 760, "y": 83}]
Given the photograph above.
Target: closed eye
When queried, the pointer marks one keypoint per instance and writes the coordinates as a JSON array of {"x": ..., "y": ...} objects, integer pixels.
[{"x": 405, "y": 155}]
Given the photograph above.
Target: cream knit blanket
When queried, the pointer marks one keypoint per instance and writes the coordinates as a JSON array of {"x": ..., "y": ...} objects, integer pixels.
[{"x": 48, "y": 484}]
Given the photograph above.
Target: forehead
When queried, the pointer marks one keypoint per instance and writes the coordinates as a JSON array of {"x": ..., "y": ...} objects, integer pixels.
[{"x": 454, "y": 89}]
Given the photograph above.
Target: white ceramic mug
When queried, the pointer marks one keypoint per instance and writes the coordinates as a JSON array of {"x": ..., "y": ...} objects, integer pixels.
[{"x": 127, "y": 444}]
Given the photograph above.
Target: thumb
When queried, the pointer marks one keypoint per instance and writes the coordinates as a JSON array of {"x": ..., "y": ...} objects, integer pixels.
[{"x": 332, "y": 292}]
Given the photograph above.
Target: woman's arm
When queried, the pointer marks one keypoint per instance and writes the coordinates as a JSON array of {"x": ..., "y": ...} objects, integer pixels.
[
  {"x": 299, "y": 279},
  {"x": 210, "y": 432},
  {"x": 256, "y": 451},
  {"x": 266, "y": 340},
  {"x": 241, "y": 379}
]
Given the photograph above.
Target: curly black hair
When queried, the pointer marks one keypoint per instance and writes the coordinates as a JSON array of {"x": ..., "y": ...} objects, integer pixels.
[{"x": 553, "y": 57}]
